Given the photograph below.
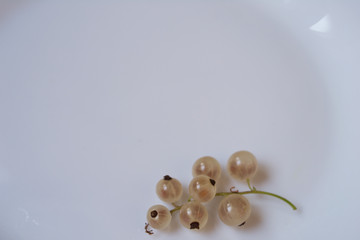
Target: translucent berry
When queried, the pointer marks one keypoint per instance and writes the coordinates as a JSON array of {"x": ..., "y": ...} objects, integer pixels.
[
  {"x": 208, "y": 166},
  {"x": 193, "y": 215},
  {"x": 158, "y": 216},
  {"x": 202, "y": 188},
  {"x": 169, "y": 189},
  {"x": 242, "y": 165},
  {"x": 234, "y": 210}
]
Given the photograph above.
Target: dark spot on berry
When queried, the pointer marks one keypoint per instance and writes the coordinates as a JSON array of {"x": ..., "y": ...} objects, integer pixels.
[
  {"x": 242, "y": 224},
  {"x": 194, "y": 225},
  {"x": 167, "y": 177},
  {"x": 153, "y": 214},
  {"x": 212, "y": 181}
]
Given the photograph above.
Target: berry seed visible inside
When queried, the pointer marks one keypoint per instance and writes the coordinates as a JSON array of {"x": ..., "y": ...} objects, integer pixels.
[
  {"x": 212, "y": 181},
  {"x": 167, "y": 177},
  {"x": 194, "y": 225},
  {"x": 154, "y": 214}
]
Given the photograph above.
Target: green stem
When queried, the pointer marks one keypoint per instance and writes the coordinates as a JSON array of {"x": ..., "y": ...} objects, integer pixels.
[
  {"x": 175, "y": 205},
  {"x": 175, "y": 209},
  {"x": 248, "y": 183},
  {"x": 258, "y": 192}
]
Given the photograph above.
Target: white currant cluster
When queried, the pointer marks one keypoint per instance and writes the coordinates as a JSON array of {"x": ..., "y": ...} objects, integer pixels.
[{"x": 233, "y": 210}]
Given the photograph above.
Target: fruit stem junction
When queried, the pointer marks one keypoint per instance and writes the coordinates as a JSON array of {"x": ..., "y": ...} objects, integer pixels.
[
  {"x": 175, "y": 209},
  {"x": 251, "y": 188}
]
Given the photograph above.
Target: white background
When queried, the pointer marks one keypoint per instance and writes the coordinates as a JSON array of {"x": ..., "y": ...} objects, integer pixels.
[{"x": 100, "y": 99}]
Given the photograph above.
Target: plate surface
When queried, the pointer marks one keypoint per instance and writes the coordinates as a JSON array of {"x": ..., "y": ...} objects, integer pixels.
[{"x": 99, "y": 100}]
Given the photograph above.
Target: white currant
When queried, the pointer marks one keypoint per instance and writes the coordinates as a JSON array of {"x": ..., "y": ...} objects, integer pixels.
[
  {"x": 193, "y": 215},
  {"x": 242, "y": 165},
  {"x": 158, "y": 216},
  {"x": 169, "y": 189},
  {"x": 202, "y": 188},
  {"x": 234, "y": 210},
  {"x": 208, "y": 166}
]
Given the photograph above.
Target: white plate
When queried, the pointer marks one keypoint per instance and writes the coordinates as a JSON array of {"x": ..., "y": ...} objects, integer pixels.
[{"x": 100, "y": 100}]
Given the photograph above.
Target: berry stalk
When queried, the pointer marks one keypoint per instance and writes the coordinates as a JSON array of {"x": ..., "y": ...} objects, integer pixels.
[{"x": 175, "y": 209}]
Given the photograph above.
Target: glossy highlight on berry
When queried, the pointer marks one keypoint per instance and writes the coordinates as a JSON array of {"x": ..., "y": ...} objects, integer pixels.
[
  {"x": 169, "y": 189},
  {"x": 193, "y": 215},
  {"x": 202, "y": 188},
  {"x": 158, "y": 216},
  {"x": 207, "y": 166},
  {"x": 242, "y": 165},
  {"x": 234, "y": 210}
]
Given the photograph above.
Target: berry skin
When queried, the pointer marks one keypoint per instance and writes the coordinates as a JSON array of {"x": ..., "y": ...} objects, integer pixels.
[
  {"x": 234, "y": 210},
  {"x": 202, "y": 188},
  {"x": 158, "y": 216},
  {"x": 242, "y": 165},
  {"x": 193, "y": 215},
  {"x": 169, "y": 189},
  {"x": 208, "y": 166}
]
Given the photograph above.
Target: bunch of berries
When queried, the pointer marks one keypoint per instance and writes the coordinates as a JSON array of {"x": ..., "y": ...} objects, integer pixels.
[{"x": 233, "y": 210}]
